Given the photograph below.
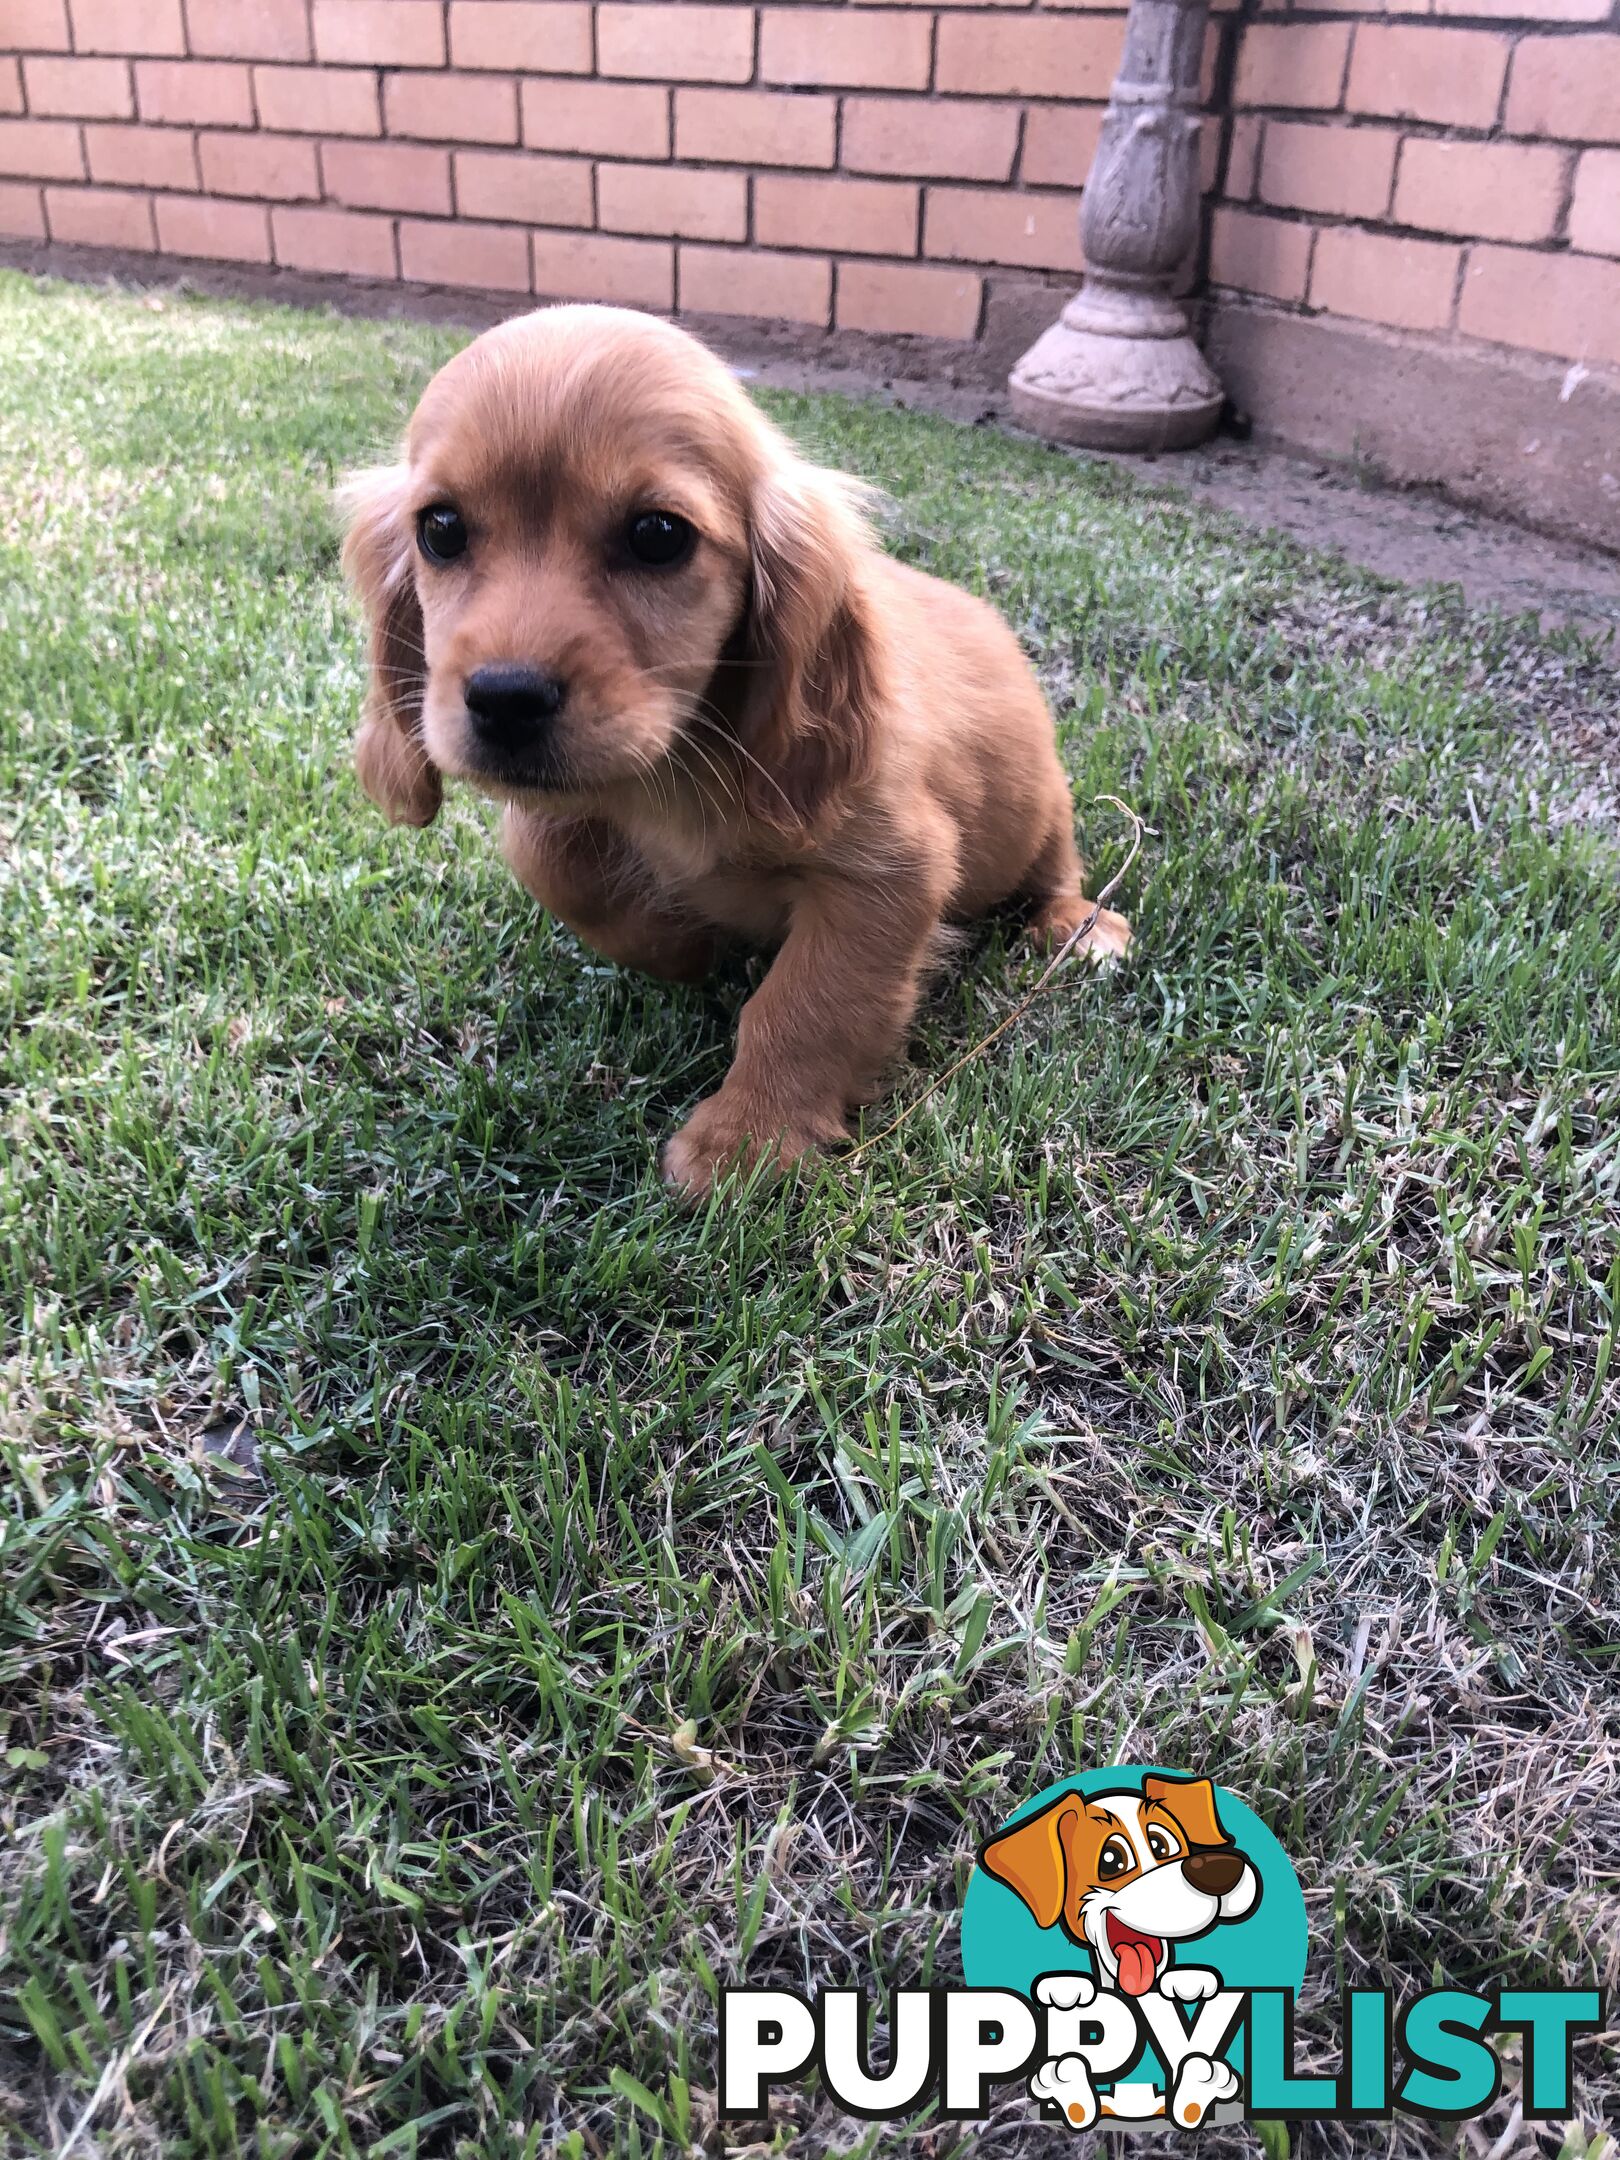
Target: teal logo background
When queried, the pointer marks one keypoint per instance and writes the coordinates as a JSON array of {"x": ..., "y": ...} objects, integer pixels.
[{"x": 1003, "y": 1948}]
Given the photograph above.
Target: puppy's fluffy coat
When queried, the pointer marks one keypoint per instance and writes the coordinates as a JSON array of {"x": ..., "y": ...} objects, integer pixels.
[{"x": 606, "y": 591}]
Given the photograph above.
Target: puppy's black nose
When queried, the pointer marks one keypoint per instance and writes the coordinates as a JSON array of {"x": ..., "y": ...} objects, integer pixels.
[
  {"x": 1214, "y": 1872},
  {"x": 511, "y": 704}
]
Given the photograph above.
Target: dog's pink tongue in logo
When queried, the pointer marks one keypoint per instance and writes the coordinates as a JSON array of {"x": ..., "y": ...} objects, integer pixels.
[{"x": 1139, "y": 1955}]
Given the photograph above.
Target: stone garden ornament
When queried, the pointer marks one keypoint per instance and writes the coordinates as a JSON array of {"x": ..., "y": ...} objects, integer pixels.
[{"x": 1119, "y": 369}]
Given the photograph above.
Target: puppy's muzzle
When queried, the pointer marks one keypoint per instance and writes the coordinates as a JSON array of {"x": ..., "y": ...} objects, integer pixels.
[{"x": 514, "y": 709}]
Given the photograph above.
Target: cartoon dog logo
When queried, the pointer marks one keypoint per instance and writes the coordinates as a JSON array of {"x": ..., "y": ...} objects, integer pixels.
[{"x": 1129, "y": 1876}]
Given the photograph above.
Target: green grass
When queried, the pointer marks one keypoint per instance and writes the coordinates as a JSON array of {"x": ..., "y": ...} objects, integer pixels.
[{"x": 1218, "y": 1373}]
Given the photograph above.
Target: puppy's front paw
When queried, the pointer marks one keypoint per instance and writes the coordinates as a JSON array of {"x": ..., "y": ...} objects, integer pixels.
[
  {"x": 1189, "y": 1984},
  {"x": 1066, "y": 1991},
  {"x": 1066, "y": 2083},
  {"x": 1201, "y": 2083},
  {"x": 723, "y": 1135},
  {"x": 1104, "y": 937}
]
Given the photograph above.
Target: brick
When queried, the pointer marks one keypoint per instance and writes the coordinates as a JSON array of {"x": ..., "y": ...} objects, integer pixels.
[
  {"x": 1520, "y": 11},
  {"x": 1384, "y": 278},
  {"x": 1242, "y": 155},
  {"x": 219, "y": 231},
  {"x": 909, "y": 299},
  {"x": 849, "y": 217},
  {"x": 1594, "y": 212},
  {"x": 319, "y": 101},
  {"x": 22, "y": 213},
  {"x": 127, "y": 26},
  {"x": 248, "y": 29},
  {"x": 602, "y": 119},
  {"x": 489, "y": 258},
  {"x": 1563, "y": 304},
  {"x": 1060, "y": 142},
  {"x": 593, "y": 266},
  {"x": 1344, "y": 171},
  {"x": 1414, "y": 71},
  {"x": 451, "y": 108},
  {"x": 1482, "y": 191},
  {"x": 756, "y": 127},
  {"x": 142, "y": 156},
  {"x": 1297, "y": 66},
  {"x": 1566, "y": 88},
  {"x": 688, "y": 43},
  {"x": 37, "y": 26},
  {"x": 342, "y": 243},
  {"x": 534, "y": 37},
  {"x": 379, "y": 33},
  {"x": 673, "y": 200},
  {"x": 1032, "y": 56},
  {"x": 387, "y": 176},
  {"x": 861, "y": 48},
  {"x": 275, "y": 168},
  {"x": 1266, "y": 255},
  {"x": 752, "y": 281},
  {"x": 100, "y": 217},
  {"x": 524, "y": 189},
  {"x": 40, "y": 150},
  {"x": 79, "y": 89},
  {"x": 1026, "y": 231},
  {"x": 212, "y": 93},
  {"x": 11, "y": 97},
  {"x": 945, "y": 138}
]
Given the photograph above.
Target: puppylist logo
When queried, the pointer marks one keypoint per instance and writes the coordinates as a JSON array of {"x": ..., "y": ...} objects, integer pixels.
[{"x": 1133, "y": 1941}]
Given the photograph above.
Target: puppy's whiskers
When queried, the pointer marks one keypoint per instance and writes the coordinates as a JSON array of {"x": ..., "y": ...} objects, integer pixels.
[
  {"x": 711, "y": 764},
  {"x": 648, "y": 767},
  {"x": 702, "y": 713}
]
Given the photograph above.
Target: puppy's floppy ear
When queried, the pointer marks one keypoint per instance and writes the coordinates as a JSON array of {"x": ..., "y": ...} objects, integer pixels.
[
  {"x": 1192, "y": 1802},
  {"x": 394, "y": 769},
  {"x": 812, "y": 688},
  {"x": 1032, "y": 1859}
]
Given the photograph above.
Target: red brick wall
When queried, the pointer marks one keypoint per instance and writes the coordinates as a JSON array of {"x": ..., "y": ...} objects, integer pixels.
[
  {"x": 1445, "y": 167},
  {"x": 1449, "y": 172}
]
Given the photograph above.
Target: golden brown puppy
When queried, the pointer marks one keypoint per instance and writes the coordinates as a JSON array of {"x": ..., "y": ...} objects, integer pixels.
[{"x": 606, "y": 591}]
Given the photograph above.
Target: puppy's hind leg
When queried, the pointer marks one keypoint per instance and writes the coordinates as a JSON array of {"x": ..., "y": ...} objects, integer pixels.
[
  {"x": 587, "y": 874},
  {"x": 1056, "y": 883}
]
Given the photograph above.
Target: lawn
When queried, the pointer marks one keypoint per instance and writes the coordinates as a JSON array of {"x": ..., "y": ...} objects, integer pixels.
[{"x": 456, "y": 1610}]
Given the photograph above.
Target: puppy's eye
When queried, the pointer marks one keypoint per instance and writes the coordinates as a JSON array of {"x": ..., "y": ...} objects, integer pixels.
[
  {"x": 1116, "y": 1858},
  {"x": 659, "y": 539},
  {"x": 441, "y": 533},
  {"x": 1161, "y": 1843}
]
